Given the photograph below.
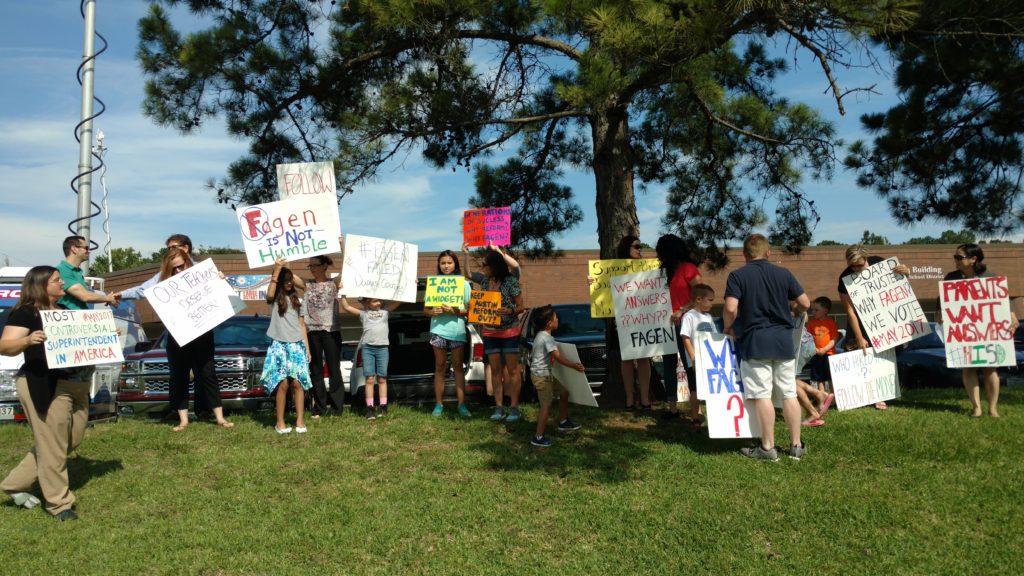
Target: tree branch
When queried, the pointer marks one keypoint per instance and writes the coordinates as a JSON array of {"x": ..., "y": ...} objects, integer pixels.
[
  {"x": 822, "y": 59},
  {"x": 533, "y": 40}
]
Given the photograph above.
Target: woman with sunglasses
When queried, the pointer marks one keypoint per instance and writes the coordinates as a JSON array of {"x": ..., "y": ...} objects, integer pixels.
[
  {"x": 636, "y": 374},
  {"x": 969, "y": 260}
]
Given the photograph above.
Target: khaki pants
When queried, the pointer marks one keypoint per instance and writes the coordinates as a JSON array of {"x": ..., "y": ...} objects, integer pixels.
[{"x": 57, "y": 433}]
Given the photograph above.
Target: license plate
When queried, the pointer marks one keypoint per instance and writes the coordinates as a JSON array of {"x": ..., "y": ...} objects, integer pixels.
[{"x": 7, "y": 412}]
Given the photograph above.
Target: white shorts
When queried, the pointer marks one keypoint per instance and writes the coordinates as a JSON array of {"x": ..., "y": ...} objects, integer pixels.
[{"x": 761, "y": 375}]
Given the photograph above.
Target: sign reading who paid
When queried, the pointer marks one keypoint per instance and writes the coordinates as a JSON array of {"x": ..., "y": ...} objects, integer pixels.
[{"x": 80, "y": 338}]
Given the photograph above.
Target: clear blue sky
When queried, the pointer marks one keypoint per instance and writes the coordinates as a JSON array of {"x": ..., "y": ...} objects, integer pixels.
[{"x": 156, "y": 178}]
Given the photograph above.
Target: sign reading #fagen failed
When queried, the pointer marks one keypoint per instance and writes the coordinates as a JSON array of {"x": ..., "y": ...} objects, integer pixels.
[
  {"x": 293, "y": 229},
  {"x": 886, "y": 305},
  {"x": 642, "y": 315},
  {"x": 80, "y": 338},
  {"x": 976, "y": 322}
]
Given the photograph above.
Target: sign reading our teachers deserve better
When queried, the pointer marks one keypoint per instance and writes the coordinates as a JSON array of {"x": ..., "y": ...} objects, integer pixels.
[
  {"x": 886, "y": 305},
  {"x": 293, "y": 229},
  {"x": 447, "y": 290},
  {"x": 976, "y": 322},
  {"x": 864, "y": 377},
  {"x": 602, "y": 272},
  {"x": 642, "y": 315},
  {"x": 80, "y": 338},
  {"x": 193, "y": 301},
  {"x": 379, "y": 268},
  {"x": 729, "y": 414},
  {"x": 487, "y": 226}
]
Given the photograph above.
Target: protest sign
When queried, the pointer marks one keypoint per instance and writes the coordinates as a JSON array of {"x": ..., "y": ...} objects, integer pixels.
[
  {"x": 602, "y": 271},
  {"x": 379, "y": 268},
  {"x": 575, "y": 383},
  {"x": 307, "y": 179},
  {"x": 447, "y": 290},
  {"x": 80, "y": 338},
  {"x": 483, "y": 307},
  {"x": 294, "y": 229},
  {"x": 863, "y": 378},
  {"x": 642, "y": 315},
  {"x": 976, "y": 322},
  {"x": 729, "y": 414},
  {"x": 487, "y": 225},
  {"x": 192, "y": 302},
  {"x": 886, "y": 305}
]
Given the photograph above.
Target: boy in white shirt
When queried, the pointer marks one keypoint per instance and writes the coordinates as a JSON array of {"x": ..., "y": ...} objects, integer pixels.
[{"x": 696, "y": 319}]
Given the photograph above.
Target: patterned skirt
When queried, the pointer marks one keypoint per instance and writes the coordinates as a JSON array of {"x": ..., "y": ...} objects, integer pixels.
[{"x": 285, "y": 359}]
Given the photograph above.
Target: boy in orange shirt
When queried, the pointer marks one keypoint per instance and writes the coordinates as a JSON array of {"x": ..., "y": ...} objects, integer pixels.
[{"x": 826, "y": 334}]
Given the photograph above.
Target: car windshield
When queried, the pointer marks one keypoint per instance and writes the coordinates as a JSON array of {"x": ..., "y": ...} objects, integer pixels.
[
  {"x": 576, "y": 321},
  {"x": 247, "y": 332}
]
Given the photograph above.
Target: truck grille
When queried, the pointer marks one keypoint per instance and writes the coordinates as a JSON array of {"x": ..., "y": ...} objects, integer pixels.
[
  {"x": 234, "y": 383},
  {"x": 593, "y": 357},
  {"x": 220, "y": 364}
]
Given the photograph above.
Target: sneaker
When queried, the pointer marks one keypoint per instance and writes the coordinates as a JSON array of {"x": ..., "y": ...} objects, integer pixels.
[
  {"x": 25, "y": 500},
  {"x": 513, "y": 415},
  {"x": 68, "y": 514},
  {"x": 438, "y": 410},
  {"x": 370, "y": 414},
  {"x": 540, "y": 441},
  {"x": 498, "y": 415},
  {"x": 301, "y": 430},
  {"x": 464, "y": 412},
  {"x": 759, "y": 453},
  {"x": 382, "y": 411},
  {"x": 826, "y": 404},
  {"x": 813, "y": 422},
  {"x": 283, "y": 430},
  {"x": 568, "y": 425},
  {"x": 795, "y": 452}
]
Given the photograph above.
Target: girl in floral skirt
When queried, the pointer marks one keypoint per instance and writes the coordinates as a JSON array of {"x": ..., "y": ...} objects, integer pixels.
[{"x": 287, "y": 363}]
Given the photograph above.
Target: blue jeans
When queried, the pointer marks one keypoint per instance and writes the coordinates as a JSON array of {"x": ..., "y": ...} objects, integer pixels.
[{"x": 375, "y": 361}]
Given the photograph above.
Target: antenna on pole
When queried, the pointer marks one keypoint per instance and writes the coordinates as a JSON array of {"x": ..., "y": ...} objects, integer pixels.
[{"x": 100, "y": 150}]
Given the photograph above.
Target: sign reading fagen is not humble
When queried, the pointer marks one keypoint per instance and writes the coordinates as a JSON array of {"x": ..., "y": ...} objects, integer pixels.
[
  {"x": 886, "y": 305},
  {"x": 192, "y": 302},
  {"x": 80, "y": 338},
  {"x": 642, "y": 311},
  {"x": 976, "y": 322}
]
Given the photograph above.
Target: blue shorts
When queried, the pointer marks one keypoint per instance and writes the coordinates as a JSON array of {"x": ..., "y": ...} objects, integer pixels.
[
  {"x": 375, "y": 361},
  {"x": 494, "y": 345}
]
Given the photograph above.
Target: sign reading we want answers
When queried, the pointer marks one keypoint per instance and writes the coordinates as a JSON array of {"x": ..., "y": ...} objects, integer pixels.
[
  {"x": 976, "y": 322},
  {"x": 602, "y": 272},
  {"x": 642, "y": 315},
  {"x": 886, "y": 305}
]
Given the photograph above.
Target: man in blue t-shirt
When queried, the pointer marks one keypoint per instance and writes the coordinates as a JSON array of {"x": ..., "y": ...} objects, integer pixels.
[{"x": 760, "y": 294}]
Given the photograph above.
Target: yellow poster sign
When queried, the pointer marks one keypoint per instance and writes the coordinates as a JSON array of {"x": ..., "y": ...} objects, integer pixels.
[
  {"x": 602, "y": 271},
  {"x": 447, "y": 290},
  {"x": 483, "y": 307}
]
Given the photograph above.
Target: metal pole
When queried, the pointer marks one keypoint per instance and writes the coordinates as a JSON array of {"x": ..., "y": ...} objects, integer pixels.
[
  {"x": 100, "y": 150},
  {"x": 85, "y": 146}
]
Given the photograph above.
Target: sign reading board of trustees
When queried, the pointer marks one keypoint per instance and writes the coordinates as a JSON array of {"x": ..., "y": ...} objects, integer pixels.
[
  {"x": 487, "y": 226},
  {"x": 80, "y": 338},
  {"x": 642, "y": 315},
  {"x": 602, "y": 271},
  {"x": 886, "y": 305},
  {"x": 976, "y": 322}
]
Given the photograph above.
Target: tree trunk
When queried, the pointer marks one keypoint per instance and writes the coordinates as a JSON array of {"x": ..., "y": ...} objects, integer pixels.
[{"x": 616, "y": 217}]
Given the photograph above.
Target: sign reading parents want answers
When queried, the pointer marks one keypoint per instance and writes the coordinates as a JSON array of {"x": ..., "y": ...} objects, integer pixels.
[
  {"x": 379, "y": 268},
  {"x": 976, "y": 322},
  {"x": 642, "y": 310},
  {"x": 80, "y": 338},
  {"x": 886, "y": 305},
  {"x": 192, "y": 302}
]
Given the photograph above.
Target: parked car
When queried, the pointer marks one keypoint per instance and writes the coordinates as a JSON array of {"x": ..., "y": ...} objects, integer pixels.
[
  {"x": 241, "y": 347},
  {"x": 575, "y": 326},
  {"x": 922, "y": 362},
  {"x": 103, "y": 384},
  {"x": 411, "y": 359}
]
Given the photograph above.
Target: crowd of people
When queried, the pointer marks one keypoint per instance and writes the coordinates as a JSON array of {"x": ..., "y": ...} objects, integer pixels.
[{"x": 763, "y": 303}]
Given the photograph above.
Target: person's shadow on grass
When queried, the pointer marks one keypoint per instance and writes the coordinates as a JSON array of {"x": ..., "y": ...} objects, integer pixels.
[{"x": 82, "y": 470}]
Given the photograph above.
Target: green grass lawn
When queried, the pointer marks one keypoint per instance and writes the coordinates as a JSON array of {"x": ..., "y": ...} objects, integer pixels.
[{"x": 918, "y": 489}]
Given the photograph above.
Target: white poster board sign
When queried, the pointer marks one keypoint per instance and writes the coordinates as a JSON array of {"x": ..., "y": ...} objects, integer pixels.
[
  {"x": 976, "y": 322},
  {"x": 293, "y": 229},
  {"x": 863, "y": 379},
  {"x": 193, "y": 301},
  {"x": 80, "y": 338},
  {"x": 729, "y": 414},
  {"x": 575, "y": 383},
  {"x": 307, "y": 179},
  {"x": 886, "y": 305},
  {"x": 379, "y": 268},
  {"x": 642, "y": 315}
]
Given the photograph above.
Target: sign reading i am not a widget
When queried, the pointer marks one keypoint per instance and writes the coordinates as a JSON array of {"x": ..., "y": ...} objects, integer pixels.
[
  {"x": 602, "y": 271},
  {"x": 447, "y": 290},
  {"x": 642, "y": 315},
  {"x": 862, "y": 378},
  {"x": 976, "y": 322},
  {"x": 293, "y": 229},
  {"x": 379, "y": 268},
  {"x": 886, "y": 305},
  {"x": 729, "y": 414},
  {"x": 80, "y": 338},
  {"x": 487, "y": 225}
]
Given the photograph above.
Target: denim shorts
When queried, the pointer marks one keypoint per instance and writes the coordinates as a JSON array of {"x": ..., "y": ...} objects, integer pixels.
[
  {"x": 375, "y": 360},
  {"x": 494, "y": 345}
]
